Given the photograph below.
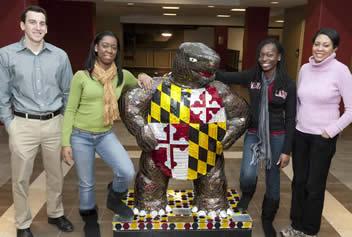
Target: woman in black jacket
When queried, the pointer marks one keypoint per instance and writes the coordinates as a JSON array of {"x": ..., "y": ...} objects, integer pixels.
[{"x": 269, "y": 136}]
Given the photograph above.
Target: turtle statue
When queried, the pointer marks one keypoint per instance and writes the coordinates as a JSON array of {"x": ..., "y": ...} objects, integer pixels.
[{"x": 182, "y": 126}]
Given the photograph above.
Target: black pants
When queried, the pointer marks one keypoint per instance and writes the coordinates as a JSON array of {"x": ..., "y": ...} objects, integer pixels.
[{"x": 311, "y": 159}]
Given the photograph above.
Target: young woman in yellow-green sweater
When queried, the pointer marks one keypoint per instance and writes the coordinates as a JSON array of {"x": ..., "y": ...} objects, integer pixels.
[{"x": 89, "y": 116}]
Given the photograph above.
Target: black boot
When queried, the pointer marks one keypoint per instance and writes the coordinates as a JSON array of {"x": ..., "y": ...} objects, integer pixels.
[
  {"x": 247, "y": 194},
  {"x": 114, "y": 203},
  {"x": 24, "y": 233},
  {"x": 269, "y": 210},
  {"x": 91, "y": 226}
]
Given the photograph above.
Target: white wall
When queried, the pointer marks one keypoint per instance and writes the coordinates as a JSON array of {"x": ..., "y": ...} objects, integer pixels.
[{"x": 235, "y": 42}]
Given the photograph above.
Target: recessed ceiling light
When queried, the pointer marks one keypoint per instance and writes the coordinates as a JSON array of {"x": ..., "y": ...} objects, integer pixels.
[
  {"x": 238, "y": 10},
  {"x": 223, "y": 15},
  {"x": 211, "y": 6},
  {"x": 171, "y": 8},
  {"x": 274, "y": 2},
  {"x": 280, "y": 21},
  {"x": 130, "y": 3},
  {"x": 166, "y": 34},
  {"x": 169, "y": 14}
]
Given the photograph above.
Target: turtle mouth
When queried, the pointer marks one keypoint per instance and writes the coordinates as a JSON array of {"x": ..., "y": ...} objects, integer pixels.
[{"x": 206, "y": 74}]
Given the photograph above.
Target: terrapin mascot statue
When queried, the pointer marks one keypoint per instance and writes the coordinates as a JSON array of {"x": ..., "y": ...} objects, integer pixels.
[{"x": 182, "y": 126}]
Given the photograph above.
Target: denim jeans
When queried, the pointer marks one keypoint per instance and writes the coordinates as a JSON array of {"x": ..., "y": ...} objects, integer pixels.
[
  {"x": 84, "y": 146},
  {"x": 248, "y": 174}
]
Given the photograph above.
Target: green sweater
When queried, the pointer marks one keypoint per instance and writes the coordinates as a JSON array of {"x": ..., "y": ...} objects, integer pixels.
[{"x": 85, "y": 106}]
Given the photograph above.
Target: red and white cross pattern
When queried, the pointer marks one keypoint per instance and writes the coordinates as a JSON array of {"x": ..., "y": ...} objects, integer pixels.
[
  {"x": 206, "y": 106},
  {"x": 172, "y": 152}
]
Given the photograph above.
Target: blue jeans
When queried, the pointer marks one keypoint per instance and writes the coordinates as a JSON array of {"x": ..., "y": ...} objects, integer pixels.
[
  {"x": 84, "y": 146},
  {"x": 248, "y": 175}
]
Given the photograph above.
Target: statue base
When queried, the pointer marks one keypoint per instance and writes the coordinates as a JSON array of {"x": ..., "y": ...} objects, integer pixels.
[{"x": 182, "y": 222}]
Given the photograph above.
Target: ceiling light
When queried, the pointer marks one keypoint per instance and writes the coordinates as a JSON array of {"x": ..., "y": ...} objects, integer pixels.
[
  {"x": 223, "y": 15},
  {"x": 130, "y": 3},
  {"x": 171, "y": 8},
  {"x": 274, "y": 2},
  {"x": 280, "y": 21},
  {"x": 169, "y": 14},
  {"x": 238, "y": 10},
  {"x": 166, "y": 34}
]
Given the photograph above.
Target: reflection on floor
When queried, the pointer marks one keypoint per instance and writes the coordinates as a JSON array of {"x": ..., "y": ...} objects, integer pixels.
[{"x": 337, "y": 211}]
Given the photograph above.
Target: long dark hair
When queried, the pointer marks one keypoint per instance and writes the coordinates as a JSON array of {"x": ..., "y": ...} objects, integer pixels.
[
  {"x": 281, "y": 76},
  {"x": 90, "y": 61}
]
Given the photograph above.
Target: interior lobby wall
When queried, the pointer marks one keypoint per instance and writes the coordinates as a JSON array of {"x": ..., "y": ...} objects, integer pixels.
[
  {"x": 292, "y": 38},
  {"x": 201, "y": 34}
]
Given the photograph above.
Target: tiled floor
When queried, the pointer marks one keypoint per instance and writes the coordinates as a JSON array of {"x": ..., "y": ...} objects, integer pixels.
[{"x": 337, "y": 212}]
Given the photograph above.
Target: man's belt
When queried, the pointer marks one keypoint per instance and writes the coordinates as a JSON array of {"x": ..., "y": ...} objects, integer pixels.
[{"x": 36, "y": 116}]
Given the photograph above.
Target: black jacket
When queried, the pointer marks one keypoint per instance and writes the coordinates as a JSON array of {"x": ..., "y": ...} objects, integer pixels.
[{"x": 282, "y": 107}]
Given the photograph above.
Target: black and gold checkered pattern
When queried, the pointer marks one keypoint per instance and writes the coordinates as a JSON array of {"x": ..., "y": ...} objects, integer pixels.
[
  {"x": 204, "y": 145},
  {"x": 183, "y": 199},
  {"x": 171, "y": 104}
]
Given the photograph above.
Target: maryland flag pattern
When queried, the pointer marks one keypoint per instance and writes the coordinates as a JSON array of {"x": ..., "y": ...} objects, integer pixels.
[{"x": 189, "y": 125}]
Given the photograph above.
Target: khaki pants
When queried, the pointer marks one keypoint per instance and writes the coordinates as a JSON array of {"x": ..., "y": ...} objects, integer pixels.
[{"x": 26, "y": 136}]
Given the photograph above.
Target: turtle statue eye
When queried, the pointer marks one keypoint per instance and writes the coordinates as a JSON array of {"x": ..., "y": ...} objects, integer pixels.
[{"x": 193, "y": 60}]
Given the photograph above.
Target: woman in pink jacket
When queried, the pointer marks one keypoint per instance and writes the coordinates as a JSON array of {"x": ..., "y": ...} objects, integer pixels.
[{"x": 321, "y": 84}]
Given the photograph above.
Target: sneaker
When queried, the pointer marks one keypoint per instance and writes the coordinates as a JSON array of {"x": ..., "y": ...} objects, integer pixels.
[{"x": 291, "y": 232}]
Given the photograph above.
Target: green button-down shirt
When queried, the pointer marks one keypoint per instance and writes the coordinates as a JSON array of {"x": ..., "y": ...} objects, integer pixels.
[{"x": 33, "y": 83}]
